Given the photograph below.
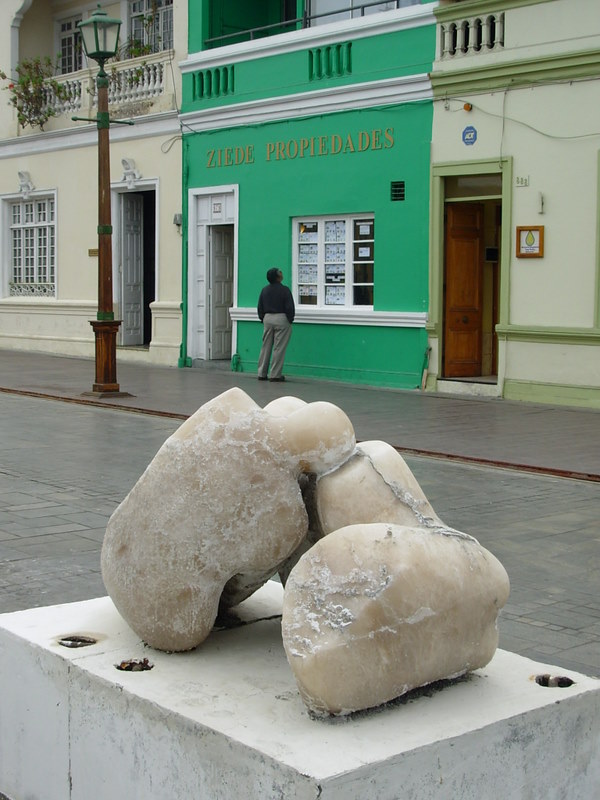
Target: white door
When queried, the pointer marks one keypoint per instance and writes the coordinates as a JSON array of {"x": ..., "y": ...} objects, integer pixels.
[
  {"x": 132, "y": 272},
  {"x": 220, "y": 291}
]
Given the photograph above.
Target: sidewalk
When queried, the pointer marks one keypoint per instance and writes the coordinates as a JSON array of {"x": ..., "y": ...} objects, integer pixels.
[{"x": 552, "y": 439}]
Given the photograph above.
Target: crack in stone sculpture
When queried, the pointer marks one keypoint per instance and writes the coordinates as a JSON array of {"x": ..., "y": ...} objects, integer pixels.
[{"x": 380, "y": 595}]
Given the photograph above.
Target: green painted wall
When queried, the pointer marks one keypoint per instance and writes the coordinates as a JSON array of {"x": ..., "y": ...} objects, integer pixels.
[
  {"x": 382, "y": 145},
  {"x": 374, "y": 58},
  {"x": 390, "y": 357}
]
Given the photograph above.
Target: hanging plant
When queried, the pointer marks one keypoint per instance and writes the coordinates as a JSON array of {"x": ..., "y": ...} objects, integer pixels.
[{"x": 34, "y": 91}]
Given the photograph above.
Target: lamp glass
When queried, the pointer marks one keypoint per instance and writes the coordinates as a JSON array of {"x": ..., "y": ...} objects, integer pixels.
[{"x": 100, "y": 34}]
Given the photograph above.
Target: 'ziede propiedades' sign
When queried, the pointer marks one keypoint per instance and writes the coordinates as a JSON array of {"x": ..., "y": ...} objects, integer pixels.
[{"x": 305, "y": 147}]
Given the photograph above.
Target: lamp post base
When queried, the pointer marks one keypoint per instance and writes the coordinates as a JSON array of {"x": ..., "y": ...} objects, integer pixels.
[{"x": 105, "y": 332}]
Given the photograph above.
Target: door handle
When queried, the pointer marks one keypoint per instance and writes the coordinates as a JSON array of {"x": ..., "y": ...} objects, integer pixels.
[{"x": 465, "y": 319}]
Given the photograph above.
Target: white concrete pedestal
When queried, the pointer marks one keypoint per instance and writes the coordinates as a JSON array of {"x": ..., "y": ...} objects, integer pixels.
[{"x": 225, "y": 722}]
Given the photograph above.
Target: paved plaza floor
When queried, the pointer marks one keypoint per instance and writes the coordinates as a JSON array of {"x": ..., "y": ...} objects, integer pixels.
[{"x": 66, "y": 464}]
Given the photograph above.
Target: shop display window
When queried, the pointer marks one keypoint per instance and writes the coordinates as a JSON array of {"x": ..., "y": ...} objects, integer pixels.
[{"x": 334, "y": 261}]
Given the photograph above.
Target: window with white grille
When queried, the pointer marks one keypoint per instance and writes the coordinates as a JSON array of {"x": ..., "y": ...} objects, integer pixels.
[
  {"x": 69, "y": 46},
  {"x": 33, "y": 247},
  {"x": 150, "y": 25},
  {"x": 334, "y": 261}
]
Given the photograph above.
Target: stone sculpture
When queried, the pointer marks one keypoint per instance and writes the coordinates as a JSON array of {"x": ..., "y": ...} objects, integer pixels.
[
  {"x": 215, "y": 513},
  {"x": 380, "y": 596}
]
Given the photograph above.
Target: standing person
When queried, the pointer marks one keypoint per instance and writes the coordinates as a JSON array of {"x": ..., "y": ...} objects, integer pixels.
[{"x": 276, "y": 311}]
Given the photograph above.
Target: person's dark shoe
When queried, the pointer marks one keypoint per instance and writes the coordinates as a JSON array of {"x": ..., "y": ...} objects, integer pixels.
[
  {"x": 277, "y": 380},
  {"x": 260, "y": 378}
]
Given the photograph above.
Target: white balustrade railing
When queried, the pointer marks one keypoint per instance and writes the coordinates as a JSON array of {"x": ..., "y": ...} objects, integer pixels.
[
  {"x": 134, "y": 81},
  {"x": 128, "y": 82},
  {"x": 482, "y": 34}
]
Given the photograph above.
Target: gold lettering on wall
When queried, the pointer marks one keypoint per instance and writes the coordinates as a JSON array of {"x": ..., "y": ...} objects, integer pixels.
[
  {"x": 230, "y": 156},
  {"x": 305, "y": 147}
]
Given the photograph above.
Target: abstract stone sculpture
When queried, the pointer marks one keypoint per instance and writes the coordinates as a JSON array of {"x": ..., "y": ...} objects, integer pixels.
[
  {"x": 374, "y": 610},
  {"x": 380, "y": 596},
  {"x": 215, "y": 513}
]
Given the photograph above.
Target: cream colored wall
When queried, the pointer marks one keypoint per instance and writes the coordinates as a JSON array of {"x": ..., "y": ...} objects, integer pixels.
[
  {"x": 566, "y": 26},
  {"x": 36, "y": 33},
  {"x": 537, "y": 126},
  {"x": 550, "y": 130},
  {"x": 62, "y": 324},
  {"x": 576, "y": 365}
]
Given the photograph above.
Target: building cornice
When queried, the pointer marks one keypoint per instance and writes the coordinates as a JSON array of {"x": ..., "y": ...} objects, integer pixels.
[
  {"x": 333, "y": 33},
  {"x": 548, "y": 335},
  {"x": 163, "y": 124},
  {"x": 324, "y": 101},
  {"x": 516, "y": 72}
]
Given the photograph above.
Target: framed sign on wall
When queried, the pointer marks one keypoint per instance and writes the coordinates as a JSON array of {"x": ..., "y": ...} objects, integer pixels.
[{"x": 530, "y": 241}]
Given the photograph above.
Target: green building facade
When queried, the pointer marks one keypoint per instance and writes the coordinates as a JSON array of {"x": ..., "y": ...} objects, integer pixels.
[{"x": 306, "y": 146}]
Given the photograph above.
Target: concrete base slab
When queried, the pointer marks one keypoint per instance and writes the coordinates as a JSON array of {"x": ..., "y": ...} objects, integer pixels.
[{"x": 226, "y": 721}]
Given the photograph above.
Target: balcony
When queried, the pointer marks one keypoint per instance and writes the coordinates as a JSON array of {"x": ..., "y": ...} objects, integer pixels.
[
  {"x": 229, "y": 31},
  {"x": 136, "y": 86},
  {"x": 471, "y": 36}
]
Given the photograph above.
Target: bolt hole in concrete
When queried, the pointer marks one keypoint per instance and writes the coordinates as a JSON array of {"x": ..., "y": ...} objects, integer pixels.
[
  {"x": 560, "y": 681},
  {"x": 77, "y": 641},
  {"x": 134, "y": 665}
]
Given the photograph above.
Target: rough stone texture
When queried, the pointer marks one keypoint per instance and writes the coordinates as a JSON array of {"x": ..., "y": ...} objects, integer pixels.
[
  {"x": 374, "y": 610},
  {"x": 215, "y": 512}
]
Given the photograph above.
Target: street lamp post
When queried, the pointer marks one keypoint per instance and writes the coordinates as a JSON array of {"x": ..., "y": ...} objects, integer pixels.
[{"x": 100, "y": 35}]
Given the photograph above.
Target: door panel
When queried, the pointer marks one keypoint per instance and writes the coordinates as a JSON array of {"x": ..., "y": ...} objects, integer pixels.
[
  {"x": 132, "y": 207},
  {"x": 463, "y": 290},
  {"x": 221, "y": 290}
]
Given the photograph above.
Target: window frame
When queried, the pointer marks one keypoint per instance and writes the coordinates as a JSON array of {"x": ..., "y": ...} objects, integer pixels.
[
  {"x": 43, "y": 234},
  {"x": 75, "y": 35},
  {"x": 166, "y": 10},
  {"x": 351, "y": 259}
]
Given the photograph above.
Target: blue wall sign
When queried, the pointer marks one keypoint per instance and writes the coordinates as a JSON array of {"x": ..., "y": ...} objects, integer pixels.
[{"x": 469, "y": 135}]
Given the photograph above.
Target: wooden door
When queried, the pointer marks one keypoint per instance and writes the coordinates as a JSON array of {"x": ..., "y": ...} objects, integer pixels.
[{"x": 463, "y": 290}]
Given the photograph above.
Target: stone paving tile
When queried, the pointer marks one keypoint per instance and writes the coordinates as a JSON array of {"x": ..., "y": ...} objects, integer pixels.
[
  {"x": 41, "y": 512},
  {"x": 88, "y": 520},
  {"x": 97, "y": 534}
]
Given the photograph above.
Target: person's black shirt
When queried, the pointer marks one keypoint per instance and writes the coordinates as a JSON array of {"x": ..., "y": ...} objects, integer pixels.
[{"x": 276, "y": 298}]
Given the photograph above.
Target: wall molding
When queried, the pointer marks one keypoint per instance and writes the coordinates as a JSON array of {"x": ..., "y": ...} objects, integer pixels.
[
  {"x": 468, "y": 74},
  {"x": 392, "y": 91},
  {"x": 549, "y": 335},
  {"x": 555, "y": 393},
  {"x": 163, "y": 124},
  {"x": 322, "y": 316}
]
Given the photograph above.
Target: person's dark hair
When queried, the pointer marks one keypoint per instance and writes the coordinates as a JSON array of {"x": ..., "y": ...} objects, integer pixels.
[{"x": 273, "y": 274}]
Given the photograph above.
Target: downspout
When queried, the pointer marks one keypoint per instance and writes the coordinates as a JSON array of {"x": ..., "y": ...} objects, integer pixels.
[{"x": 184, "y": 360}]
